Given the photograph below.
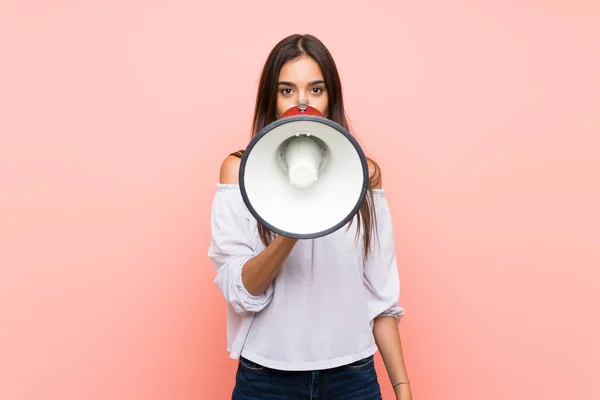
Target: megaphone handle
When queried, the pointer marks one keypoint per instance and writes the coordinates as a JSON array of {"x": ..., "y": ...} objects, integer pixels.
[{"x": 302, "y": 104}]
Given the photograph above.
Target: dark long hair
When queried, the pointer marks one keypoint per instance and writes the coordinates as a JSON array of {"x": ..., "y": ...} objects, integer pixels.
[{"x": 289, "y": 48}]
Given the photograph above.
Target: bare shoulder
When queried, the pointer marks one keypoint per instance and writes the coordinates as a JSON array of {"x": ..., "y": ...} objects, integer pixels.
[
  {"x": 375, "y": 180},
  {"x": 230, "y": 168}
]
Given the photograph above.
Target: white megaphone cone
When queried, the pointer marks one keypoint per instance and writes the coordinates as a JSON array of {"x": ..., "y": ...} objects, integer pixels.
[{"x": 303, "y": 176}]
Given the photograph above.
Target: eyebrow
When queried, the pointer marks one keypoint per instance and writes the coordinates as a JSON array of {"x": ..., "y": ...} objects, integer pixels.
[{"x": 286, "y": 83}]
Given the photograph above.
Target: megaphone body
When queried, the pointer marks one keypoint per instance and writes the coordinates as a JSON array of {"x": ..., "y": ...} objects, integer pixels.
[{"x": 303, "y": 176}]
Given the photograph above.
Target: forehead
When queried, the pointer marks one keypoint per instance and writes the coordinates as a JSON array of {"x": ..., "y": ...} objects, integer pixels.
[{"x": 301, "y": 69}]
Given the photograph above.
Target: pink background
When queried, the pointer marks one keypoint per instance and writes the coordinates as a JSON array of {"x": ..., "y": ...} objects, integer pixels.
[{"x": 115, "y": 116}]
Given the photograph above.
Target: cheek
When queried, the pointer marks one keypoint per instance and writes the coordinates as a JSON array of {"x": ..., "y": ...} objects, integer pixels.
[
  {"x": 283, "y": 104},
  {"x": 322, "y": 105}
]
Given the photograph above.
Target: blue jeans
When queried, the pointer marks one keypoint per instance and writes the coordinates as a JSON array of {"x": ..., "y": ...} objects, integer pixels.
[{"x": 356, "y": 381}]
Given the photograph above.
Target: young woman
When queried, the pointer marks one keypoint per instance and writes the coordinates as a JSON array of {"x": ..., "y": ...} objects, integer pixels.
[{"x": 306, "y": 316}]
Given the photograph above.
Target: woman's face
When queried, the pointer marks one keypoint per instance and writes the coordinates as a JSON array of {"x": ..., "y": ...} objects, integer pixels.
[{"x": 301, "y": 79}]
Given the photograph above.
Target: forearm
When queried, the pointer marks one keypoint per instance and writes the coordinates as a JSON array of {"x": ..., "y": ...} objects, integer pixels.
[
  {"x": 387, "y": 338},
  {"x": 259, "y": 271}
]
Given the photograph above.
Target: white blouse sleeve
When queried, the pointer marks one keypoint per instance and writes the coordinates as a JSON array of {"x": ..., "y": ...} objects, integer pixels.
[
  {"x": 232, "y": 245},
  {"x": 381, "y": 276}
]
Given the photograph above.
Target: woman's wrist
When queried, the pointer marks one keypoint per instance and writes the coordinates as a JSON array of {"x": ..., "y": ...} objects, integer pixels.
[
  {"x": 286, "y": 239},
  {"x": 399, "y": 383}
]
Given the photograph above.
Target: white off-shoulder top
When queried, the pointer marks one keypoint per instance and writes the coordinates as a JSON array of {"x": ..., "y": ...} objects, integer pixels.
[{"x": 318, "y": 312}]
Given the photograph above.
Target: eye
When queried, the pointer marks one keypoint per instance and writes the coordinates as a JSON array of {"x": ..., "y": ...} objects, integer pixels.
[
  {"x": 317, "y": 90},
  {"x": 285, "y": 91}
]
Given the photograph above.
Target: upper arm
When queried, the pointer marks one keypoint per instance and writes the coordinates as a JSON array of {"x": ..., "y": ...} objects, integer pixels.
[
  {"x": 229, "y": 173},
  {"x": 375, "y": 180}
]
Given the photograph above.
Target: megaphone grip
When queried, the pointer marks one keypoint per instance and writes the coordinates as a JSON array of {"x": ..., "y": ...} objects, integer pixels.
[{"x": 303, "y": 157}]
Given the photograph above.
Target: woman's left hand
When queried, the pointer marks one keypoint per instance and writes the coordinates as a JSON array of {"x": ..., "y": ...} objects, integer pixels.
[{"x": 403, "y": 392}]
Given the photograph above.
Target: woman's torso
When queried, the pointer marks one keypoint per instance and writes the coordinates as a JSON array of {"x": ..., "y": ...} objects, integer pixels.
[{"x": 317, "y": 317}]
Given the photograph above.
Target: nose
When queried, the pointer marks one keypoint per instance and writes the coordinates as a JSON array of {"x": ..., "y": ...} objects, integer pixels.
[{"x": 302, "y": 96}]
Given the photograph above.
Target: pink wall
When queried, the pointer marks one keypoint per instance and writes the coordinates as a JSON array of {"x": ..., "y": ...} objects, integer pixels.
[{"x": 484, "y": 117}]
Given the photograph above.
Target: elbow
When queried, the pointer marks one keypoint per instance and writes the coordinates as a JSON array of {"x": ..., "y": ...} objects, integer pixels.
[
  {"x": 229, "y": 282},
  {"x": 395, "y": 312},
  {"x": 391, "y": 311},
  {"x": 243, "y": 301}
]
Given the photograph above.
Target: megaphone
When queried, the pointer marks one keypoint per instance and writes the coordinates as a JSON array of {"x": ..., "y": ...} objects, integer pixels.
[{"x": 303, "y": 176}]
